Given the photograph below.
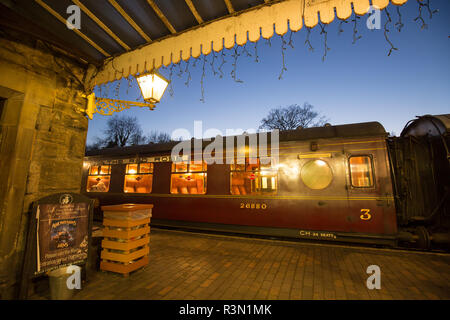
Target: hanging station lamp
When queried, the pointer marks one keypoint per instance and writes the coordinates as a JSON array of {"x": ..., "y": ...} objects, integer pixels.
[{"x": 152, "y": 86}]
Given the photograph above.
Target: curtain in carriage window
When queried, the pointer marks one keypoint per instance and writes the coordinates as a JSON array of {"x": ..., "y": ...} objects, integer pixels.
[
  {"x": 138, "y": 178},
  {"x": 99, "y": 178},
  {"x": 188, "y": 178},
  {"x": 361, "y": 171}
]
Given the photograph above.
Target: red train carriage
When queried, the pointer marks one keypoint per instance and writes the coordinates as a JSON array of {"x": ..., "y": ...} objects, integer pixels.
[{"x": 329, "y": 183}]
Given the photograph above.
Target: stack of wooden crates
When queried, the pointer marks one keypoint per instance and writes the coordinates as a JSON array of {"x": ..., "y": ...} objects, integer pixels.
[{"x": 125, "y": 247}]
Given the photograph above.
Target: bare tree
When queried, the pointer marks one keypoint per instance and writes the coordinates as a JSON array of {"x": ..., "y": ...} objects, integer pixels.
[
  {"x": 292, "y": 117},
  {"x": 122, "y": 131},
  {"x": 126, "y": 131},
  {"x": 158, "y": 137},
  {"x": 96, "y": 145},
  {"x": 138, "y": 138}
]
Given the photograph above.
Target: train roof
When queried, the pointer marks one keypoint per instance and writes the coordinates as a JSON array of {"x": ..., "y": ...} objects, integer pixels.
[{"x": 353, "y": 130}]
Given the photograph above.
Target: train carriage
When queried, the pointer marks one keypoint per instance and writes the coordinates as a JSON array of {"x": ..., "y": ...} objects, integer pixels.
[{"x": 328, "y": 183}]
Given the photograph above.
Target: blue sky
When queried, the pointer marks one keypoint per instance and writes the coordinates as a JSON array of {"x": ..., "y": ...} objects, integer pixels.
[{"x": 356, "y": 82}]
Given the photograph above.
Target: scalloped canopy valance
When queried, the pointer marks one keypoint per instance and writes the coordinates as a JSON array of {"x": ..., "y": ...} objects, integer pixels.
[{"x": 250, "y": 25}]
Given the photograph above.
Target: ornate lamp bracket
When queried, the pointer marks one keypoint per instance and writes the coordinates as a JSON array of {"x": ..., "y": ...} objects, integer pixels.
[{"x": 107, "y": 107}]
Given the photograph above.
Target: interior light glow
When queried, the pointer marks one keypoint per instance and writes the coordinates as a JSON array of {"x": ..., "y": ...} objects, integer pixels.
[{"x": 152, "y": 86}]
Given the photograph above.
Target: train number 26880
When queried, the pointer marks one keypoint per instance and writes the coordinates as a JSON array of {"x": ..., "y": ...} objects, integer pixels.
[{"x": 248, "y": 205}]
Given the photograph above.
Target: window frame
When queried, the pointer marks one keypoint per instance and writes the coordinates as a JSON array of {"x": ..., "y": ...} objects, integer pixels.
[
  {"x": 372, "y": 167},
  {"x": 138, "y": 173},
  {"x": 99, "y": 174},
  {"x": 257, "y": 172},
  {"x": 99, "y": 171}
]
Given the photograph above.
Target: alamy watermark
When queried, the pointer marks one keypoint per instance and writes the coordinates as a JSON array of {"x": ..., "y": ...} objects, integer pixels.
[
  {"x": 374, "y": 281},
  {"x": 235, "y": 147},
  {"x": 74, "y": 19},
  {"x": 374, "y": 19},
  {"x": 74, "y": 280}
]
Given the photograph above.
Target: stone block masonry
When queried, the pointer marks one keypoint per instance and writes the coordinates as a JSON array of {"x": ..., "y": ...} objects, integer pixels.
[{"x": 42, "y": 139}]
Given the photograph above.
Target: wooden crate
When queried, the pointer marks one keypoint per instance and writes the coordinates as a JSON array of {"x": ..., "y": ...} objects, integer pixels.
[
  {"x": 125, "y": 247},
  {"x": 124, "y": 269},
  {"x": 125, "y": 233},
  {"x": 125, "y": 223}
]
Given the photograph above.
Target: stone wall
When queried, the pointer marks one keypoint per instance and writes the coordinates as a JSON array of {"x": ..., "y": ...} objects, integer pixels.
[{"x": 42, "y": 140}]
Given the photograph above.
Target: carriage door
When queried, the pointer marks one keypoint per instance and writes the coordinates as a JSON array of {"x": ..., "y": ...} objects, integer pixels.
[{"x": 363, "y": 215}]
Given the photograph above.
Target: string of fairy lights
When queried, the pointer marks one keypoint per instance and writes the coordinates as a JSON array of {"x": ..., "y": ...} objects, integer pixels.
[
  {"x": 386, "y": 30},
  {"x": 425, "y": 5},
  {"x": 237, "y": 52}
]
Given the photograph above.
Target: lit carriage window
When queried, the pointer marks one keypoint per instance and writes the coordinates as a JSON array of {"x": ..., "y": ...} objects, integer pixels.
[
  {"x": 138, "y": 178},
  {"x": 93, "y": 170},
  {"x": 146, "y": 168},
  {"x": 361, "y": 173},
  {"x": 105, "y": 169},
  {"x": 188, "y": 178},
  {"x": 180, "y": 167},
  {"x": 252, "y": 164},
  {"x": 99, "y": 178},
  {"x": 253, "y": 178},
  {"x": 316, "y": 174},
  {"x": 269, "y": 179},
  {"x": 132, "y": 168}
]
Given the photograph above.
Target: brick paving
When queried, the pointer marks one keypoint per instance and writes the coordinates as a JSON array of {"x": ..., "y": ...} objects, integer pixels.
[{"x": 197, "y": 266}]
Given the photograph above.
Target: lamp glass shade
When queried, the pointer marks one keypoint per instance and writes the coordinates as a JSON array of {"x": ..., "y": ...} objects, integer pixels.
[{"x": 152, "y": 86}]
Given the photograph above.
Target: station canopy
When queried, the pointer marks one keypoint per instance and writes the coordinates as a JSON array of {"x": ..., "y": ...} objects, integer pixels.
[{"x": 129, "y": 37}]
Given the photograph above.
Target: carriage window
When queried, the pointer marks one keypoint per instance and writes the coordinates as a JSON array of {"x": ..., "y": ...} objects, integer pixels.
[
  {"x": 188, "y": 178},
  {"x": 268, "y": 178},
  {"x": 253, "y": 178},
  {"x": 138, "y": 178},
  {"x": 99, "y": 178},
  {"x": 316, "y": 174},
  {"x": 361, "y": 173}
]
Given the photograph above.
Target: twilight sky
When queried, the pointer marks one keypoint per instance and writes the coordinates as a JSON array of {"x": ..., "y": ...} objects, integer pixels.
[{"x": 356, "y": 82}]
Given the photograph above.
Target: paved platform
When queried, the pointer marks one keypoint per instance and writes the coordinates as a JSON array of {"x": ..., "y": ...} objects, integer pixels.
[{"x": 197, "y": 266}]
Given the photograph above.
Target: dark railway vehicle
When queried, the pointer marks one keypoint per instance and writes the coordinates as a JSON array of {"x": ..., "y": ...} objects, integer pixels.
[{"x": 348, "y": 183}]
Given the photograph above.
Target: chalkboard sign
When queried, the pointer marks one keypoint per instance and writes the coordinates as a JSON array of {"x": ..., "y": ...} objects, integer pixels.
[{"x": 59, "y": 235}]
